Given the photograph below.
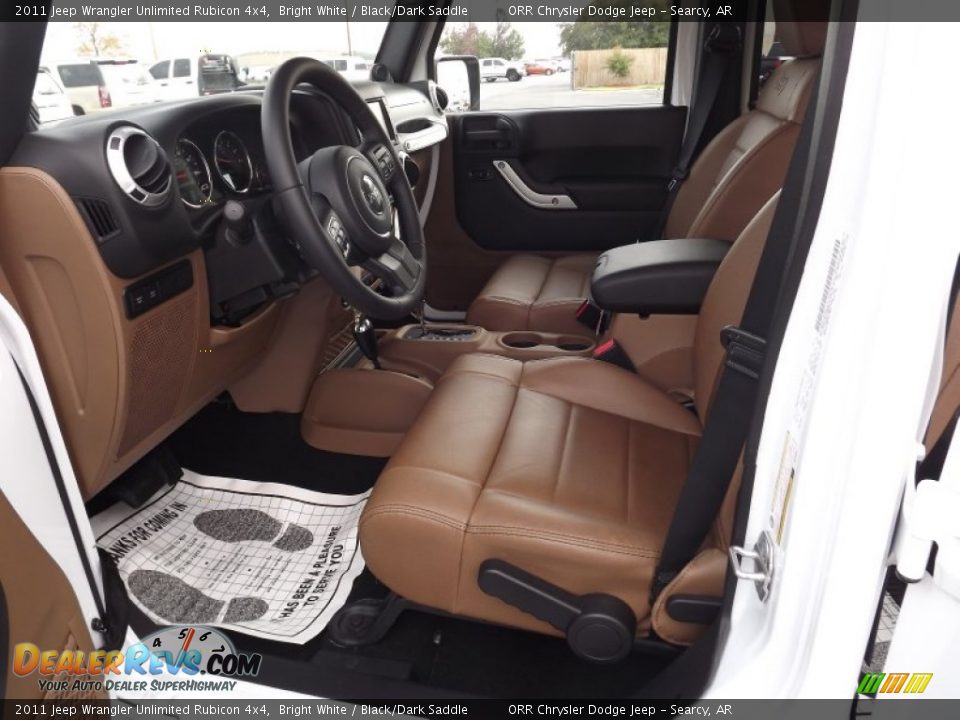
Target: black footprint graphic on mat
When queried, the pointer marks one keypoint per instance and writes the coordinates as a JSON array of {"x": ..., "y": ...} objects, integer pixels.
[
  {"x": 241, "y": 525},
  {"x": 175, "y": 601}
]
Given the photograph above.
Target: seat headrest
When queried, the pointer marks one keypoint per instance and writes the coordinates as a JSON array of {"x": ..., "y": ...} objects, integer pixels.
[{"x": 801, "y": 26}]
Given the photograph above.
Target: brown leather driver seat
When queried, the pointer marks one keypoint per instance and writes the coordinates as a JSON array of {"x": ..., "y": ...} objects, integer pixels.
[
  {"x": 568, "y": 468},
  {"x": 737, "y": 172}
]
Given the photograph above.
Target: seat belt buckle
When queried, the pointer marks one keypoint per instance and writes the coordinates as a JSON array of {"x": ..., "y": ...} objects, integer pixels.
[
  {"x": 593, "y": 317},
  {"x": 745, "y": 351},
  {"x": 612, "y": 353},
  {"x": 679, "y": 175}
]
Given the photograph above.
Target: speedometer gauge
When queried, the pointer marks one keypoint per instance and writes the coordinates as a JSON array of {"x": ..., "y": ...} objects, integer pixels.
[
  {"x": 232, "y": 161},
  {"x": 193, "y": 174}
]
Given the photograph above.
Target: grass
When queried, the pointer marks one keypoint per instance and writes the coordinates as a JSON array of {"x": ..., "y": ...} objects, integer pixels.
[{"x": 614, "y": 88}]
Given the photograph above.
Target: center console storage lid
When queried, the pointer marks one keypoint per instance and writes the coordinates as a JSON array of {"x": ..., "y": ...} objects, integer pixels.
[{"x": 657, "y": 277}]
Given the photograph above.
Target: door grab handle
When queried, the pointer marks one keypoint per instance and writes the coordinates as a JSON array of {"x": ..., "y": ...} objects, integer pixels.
[{"x": 542, "y": 201}]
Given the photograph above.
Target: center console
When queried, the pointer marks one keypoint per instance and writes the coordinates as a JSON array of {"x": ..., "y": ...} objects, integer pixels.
[
  {"x": 656, "y": 289},
  {"x": 668, "y": 277},
  {"x": 364, "y": 411},
  {"x": 428, "y": 354}
]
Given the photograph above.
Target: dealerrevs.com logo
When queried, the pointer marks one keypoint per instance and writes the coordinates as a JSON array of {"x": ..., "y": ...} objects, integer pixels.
[
  {"x": 188, "y": 652},
  {"x": 892, "y": 683}
]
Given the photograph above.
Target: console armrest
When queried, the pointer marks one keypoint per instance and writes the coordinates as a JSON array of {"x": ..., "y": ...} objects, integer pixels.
[{"x": 660, "y": 276}]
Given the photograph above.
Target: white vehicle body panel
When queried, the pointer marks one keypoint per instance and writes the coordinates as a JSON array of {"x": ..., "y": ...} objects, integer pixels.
[{"x": 864, "y": 402}]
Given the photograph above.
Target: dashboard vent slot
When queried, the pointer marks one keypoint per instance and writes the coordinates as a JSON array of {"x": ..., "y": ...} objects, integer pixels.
[
  {"x": 139, "y": 165},
  {"x": 99, "y": 218}
]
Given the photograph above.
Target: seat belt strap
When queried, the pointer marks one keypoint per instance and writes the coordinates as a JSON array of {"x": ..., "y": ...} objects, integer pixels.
[
  {"x": 721, "y": 44},
  {"x": 733, "y": 404}
]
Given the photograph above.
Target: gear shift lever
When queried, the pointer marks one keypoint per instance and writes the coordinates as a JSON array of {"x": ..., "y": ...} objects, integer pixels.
[{"x": 366, "y": 339}]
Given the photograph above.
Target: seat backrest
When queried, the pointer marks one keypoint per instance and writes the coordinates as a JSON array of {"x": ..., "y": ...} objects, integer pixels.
[
  {"x": 948, "y": 398},
  {"x": 746, "y": 163},
  {"x": 724, "y": 303}
]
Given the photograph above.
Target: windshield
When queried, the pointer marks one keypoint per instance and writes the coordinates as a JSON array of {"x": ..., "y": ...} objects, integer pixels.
[{"x": 105, "y": 66}]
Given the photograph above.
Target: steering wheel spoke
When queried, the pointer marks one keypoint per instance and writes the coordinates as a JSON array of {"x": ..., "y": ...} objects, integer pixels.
[
  {"x": 397, "y": 267},
  {"x": 343, "y": 206}
]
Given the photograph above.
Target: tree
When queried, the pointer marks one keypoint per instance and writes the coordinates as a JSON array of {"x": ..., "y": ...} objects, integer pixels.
[
  {"x": 97, "y": 40},
  {"x": 590, "y": 35},
  {"x": 462, "y": 41},
  {"x": 619, "y": 64},
  {"x": 583, "y": 35},
  {"x": 505, "y": 41}
]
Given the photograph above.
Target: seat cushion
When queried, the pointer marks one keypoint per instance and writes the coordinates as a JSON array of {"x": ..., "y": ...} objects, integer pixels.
[
  {"x": 529, "y": 292},
  {"x": 568, "y": 468}
]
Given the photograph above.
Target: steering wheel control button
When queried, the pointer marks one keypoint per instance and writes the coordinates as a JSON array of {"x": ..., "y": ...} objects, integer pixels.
[
  {"x": 336, "y": 231},
  {"x": 385, "y": 162}
]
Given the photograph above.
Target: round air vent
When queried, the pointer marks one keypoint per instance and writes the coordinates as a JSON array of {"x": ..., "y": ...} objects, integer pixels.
[
  {"x": 438, "y": 97},
  {"x": 139, "y": 165}
]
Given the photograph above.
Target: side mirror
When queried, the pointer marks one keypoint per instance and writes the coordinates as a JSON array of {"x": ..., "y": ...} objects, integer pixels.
[{"x": 459, "y": 77}]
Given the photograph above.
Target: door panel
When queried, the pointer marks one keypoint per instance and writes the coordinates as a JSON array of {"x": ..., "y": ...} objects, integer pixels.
[
  {"x": 514, "y": 171},
  {"x": 41, "y": 608}
]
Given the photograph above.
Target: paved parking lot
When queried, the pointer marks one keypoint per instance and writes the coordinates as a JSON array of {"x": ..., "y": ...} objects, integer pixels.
[{"x": 541, "y": 91}]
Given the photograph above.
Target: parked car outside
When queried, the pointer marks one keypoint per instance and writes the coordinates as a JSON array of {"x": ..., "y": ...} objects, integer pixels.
[
  {"x": 95, "y": 84},
  {"x": 129, "y": 83},
  {"x": 492, "y": 69},
  {"x": 541, "y": 67},
  {"x": 192, "y": 76},
  {"x": 50, "y": 98},
  {"x": 352, "y": 68}
]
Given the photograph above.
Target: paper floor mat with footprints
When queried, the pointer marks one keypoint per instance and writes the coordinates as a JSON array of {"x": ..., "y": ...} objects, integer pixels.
[{"x": 264, "y": 559}]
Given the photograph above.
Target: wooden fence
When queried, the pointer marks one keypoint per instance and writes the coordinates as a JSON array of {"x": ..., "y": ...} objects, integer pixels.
[{"x": 648, "y": 67}]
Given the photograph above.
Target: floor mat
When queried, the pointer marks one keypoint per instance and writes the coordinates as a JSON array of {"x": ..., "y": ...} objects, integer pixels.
[
  {"x": 264, "y": 559},
  {"x": 221, "y": 440}
]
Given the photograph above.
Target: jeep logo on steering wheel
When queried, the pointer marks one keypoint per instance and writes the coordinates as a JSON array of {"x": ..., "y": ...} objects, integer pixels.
[{"x": 371, "y": 194}]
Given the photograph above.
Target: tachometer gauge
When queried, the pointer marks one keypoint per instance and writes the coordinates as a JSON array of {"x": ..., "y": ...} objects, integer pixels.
[
  {"x": 232, "y": 161},
  {"x": 193, "y": 174}
]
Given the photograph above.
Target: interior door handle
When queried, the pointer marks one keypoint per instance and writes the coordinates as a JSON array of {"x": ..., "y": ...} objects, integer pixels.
[
  {"x": 539, "y": 200},
  {"x": 502, "y": 136},
  {"x": 486, "y": 135}
]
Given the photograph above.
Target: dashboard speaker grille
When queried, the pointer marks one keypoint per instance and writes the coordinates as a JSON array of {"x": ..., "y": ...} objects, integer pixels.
[{"x": 161, "y": 351}]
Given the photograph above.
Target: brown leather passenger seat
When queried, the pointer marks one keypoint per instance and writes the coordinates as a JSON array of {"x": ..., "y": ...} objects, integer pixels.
[
  {"x": 568, "y": 468},
  {"x": 738, "y": 171}
]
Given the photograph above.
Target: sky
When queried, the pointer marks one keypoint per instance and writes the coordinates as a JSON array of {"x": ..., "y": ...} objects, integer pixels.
[{"x": 150, "y": 41}]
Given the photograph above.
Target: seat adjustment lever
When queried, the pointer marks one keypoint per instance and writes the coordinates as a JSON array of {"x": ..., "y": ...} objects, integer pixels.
[{"x": 598, "y": 627}]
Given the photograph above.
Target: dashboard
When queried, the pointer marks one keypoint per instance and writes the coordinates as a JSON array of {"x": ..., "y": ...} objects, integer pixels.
[
  {"x": 117, "y": 247},
  {"x": 213, "y": 152}
]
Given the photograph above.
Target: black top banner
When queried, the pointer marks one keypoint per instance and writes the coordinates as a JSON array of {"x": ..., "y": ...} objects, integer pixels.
[
  {"x": 222, "y": 708},
  {"x": 553, "y": 11}
]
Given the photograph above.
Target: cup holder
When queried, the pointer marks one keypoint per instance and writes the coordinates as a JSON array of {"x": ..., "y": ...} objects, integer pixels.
[
  {"x": 546, "y": 343},
  {"x": 522, "y": 341}
]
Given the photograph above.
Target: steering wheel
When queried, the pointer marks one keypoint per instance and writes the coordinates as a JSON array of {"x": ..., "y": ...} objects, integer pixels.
[{"x": 338, "y": 204}]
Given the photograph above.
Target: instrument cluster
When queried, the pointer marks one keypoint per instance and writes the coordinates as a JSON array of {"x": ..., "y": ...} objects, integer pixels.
[{"x": 214, "y": 165}]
